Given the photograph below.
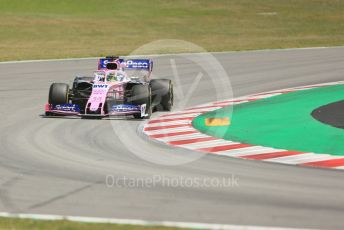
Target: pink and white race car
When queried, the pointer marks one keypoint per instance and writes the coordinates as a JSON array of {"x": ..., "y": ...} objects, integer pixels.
[{"x": 118, "y": 87}]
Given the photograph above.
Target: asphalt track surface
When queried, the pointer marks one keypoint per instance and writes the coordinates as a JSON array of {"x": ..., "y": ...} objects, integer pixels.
[
  {"x": 331, "y": 114},
  {"x": 59, "y": 166}
]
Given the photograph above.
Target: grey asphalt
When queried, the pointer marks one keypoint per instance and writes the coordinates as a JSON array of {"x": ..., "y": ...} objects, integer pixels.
[
  {"x": 59, "y": 166},
  {"x": 331, "y": 114}
]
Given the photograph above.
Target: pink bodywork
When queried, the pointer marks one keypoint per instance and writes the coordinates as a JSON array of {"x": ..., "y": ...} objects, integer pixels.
[{"x": 100, "y": 91}]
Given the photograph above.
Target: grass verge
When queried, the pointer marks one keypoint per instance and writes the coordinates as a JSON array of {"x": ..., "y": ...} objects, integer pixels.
[
  {"x": 39, "y": 29},
  {"x": 281, "y": 122},
  {"x": 29, "y": 224}
]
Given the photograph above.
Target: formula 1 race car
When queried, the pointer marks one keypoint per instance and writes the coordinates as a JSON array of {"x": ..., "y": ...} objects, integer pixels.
[{"x": 118, "y": 87}]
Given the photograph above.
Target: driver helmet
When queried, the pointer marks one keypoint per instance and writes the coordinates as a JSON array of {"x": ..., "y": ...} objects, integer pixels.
[{"x": 111, "y": 77}]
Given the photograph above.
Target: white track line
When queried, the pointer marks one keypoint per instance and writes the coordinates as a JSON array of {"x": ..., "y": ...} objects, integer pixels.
[
  {"x": 172, "y": 116},
  {"x": 166, "y": 131},
  {"x": 173, "y": 54},
  {"x": 182, "y": 137},
  {"x": 301, "y": 158},
  {"x": 248, "y": 151},
  {"x": 177, "y": 122},
  {"x": 98, "y": 220},
  {"x": 340, "y": 167},
  {"x": 208, "y": 144}
]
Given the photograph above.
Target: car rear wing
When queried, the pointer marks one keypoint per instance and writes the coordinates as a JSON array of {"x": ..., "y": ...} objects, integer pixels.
[
  {"x": 104, "y": 61},
  {"x": 139, "y": 64},
  {"x": 130, "y": 64}
]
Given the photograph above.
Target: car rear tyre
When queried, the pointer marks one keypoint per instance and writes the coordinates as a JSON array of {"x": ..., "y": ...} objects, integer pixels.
[
  {"x": 167, "y": 100},
  {"x": 162, "y": 93}
]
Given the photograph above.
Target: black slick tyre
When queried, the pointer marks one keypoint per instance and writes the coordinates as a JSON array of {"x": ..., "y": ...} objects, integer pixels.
[
  {"x": 162, "y": 94},
  {"x": 58, "y": 93}
]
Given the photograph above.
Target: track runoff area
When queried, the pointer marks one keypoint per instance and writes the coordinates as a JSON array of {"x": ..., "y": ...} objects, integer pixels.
[{"x": 297, "y": 126}]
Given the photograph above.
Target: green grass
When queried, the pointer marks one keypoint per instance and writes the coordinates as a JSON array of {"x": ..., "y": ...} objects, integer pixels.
[
  {"x": 281, "y": 122},
  {"x": 32, "y": 29},
  {"x": 27, "y": 224}
]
